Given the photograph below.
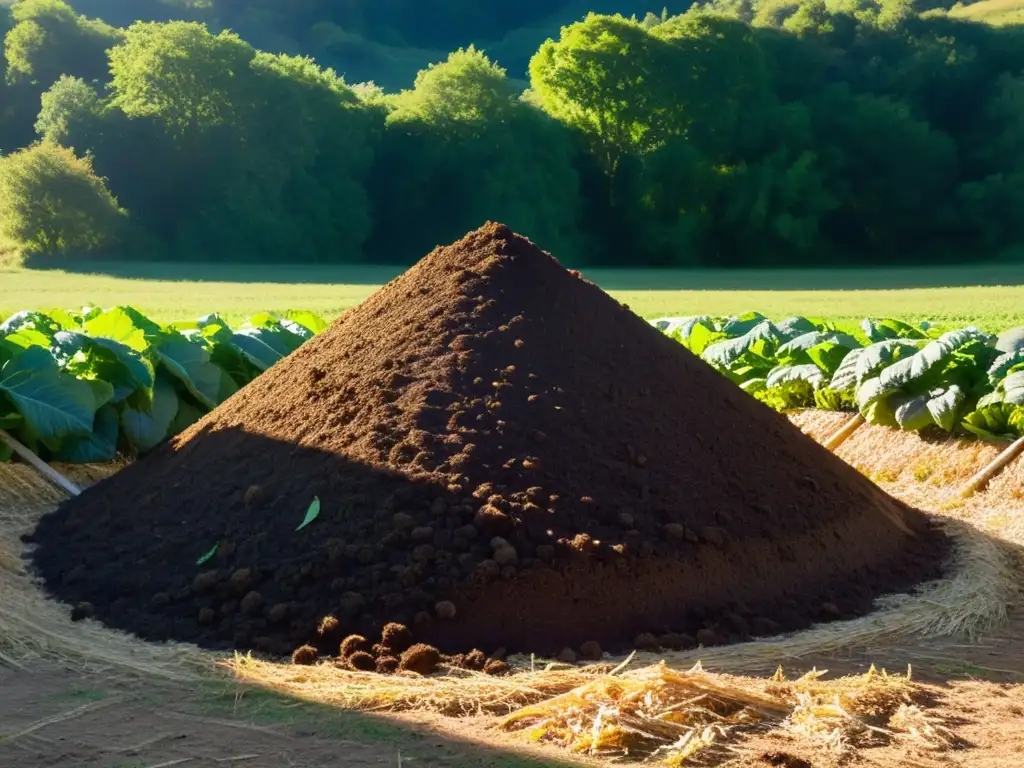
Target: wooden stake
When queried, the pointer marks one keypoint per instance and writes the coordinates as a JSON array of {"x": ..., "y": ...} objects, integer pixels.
[
  {"x": 844, "y": 432},
  {"x": 40, "y": 466},
  {"x": 993, "y": 468}
]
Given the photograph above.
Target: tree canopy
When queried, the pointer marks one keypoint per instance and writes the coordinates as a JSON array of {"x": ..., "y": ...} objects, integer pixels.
[{"x": 734, "y": 133}]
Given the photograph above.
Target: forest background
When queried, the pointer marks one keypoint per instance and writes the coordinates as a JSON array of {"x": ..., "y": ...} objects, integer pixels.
[{"x": 731, "y": 134}]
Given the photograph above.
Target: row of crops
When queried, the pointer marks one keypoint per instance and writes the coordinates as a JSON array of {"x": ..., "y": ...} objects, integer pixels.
[
  {"x": 916, "y": 378},
  {"x": 87, "y": 386}
]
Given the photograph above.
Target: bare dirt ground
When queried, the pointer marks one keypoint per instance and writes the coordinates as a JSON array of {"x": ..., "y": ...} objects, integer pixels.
[{"x": 56, "y": 715}]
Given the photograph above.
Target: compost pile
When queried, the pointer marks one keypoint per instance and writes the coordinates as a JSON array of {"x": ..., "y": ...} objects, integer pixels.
[{"x": 504, "y": 456}]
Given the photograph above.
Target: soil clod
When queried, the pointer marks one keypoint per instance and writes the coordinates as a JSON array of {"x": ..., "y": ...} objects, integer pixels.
[
  {"x": 422, "y": 659},
  {"x": 305, "y": 655}
]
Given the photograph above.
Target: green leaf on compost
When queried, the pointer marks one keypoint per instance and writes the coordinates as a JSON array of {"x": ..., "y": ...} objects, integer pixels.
[
  {"x": 263, "y": 320},
  {"x": 6, "y": 452},
  {"x": 210, "y": 328},
  {"x": 146, "y": 425},
  {"x": 939, "y": 408},
  {"x": 292, "y": 334},
  {"x": 209, "y": 555},
  {"x": 311, "y": 514},
  {"x": 100, "y": 445},
  {"x": 53, "y": 404},
  {"x": 806, "y": 341},
  {"x": 190, "y": 364}
]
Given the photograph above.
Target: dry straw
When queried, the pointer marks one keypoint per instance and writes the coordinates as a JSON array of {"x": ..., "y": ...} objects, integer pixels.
[{"x": 680, "y": 717}]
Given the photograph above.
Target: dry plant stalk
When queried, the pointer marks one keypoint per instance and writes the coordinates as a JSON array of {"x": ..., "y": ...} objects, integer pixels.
[
  {"x": 684, "y": 717},
  {"x": 456, "y": 693}
]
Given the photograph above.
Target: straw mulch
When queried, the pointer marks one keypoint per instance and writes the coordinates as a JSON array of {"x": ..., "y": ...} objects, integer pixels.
[
  {"x": 685, "y": 717},
  {"x": 655, "y": 712}
]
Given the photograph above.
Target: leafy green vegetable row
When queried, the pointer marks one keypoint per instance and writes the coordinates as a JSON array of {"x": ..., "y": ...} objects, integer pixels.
[
  {"x": 83, "y": 387},
  {"x": 897, "y": 375}
]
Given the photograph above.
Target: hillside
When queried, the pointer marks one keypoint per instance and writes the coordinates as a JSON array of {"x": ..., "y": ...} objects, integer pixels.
[{"x": 387, "y": 41}]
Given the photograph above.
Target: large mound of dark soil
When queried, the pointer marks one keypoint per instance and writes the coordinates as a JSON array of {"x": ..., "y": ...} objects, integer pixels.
[{"x": 505, "y": 456}]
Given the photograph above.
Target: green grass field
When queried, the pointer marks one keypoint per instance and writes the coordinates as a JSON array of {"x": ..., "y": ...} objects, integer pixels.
[{"x": 991, "y": 297}]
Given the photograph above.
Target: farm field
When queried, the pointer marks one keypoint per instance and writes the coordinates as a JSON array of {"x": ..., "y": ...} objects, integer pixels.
[{"x": 991, "y": 297}]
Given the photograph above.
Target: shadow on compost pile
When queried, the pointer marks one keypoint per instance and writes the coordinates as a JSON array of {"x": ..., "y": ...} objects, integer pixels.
[{"x": 267, "y": 585}]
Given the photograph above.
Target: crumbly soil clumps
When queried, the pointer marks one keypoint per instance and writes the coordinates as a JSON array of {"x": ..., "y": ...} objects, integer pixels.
[{"x": 505, "y": 457}]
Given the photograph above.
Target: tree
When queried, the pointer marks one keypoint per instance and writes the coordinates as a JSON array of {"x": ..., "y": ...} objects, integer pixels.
[
  {"x": 605, "y": 78},
  {"x": 253, "y": 155},
  {"x": 49, "y": 39},
  {"x": 893, "y": 174},
  {"x": 181, "y": 75},
  {"x": 6, "y": 107},
  {"x": 51, "y": 202},
  {"x": 718, "y": 80},
  {"x": 70, "y": 108},
  {"x": 467, "y": 89},
  {"x": 462, "y": 132}
]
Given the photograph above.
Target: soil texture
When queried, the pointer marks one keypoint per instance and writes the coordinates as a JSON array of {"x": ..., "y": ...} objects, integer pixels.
[{"x": 504, "y": 457}]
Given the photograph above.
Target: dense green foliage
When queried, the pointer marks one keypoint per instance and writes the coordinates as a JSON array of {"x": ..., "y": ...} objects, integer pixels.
[
  {"x": 52, "y": 202},
  {"x": 775, "y": 132},
  {"x": 83, "y": 387},
  {"x": 895, "y": 374}
]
